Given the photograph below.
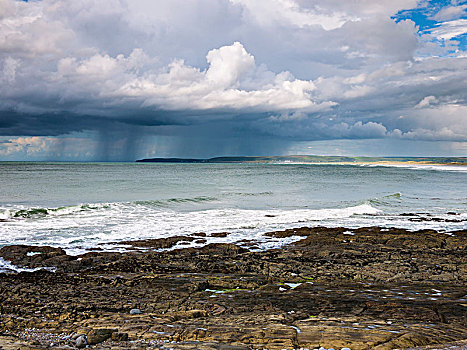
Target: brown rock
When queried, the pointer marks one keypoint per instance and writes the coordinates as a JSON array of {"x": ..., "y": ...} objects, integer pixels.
[
  {"x": 378, "y": 288},
  {"x": 96, "y": 336},
  {"x": 117, "y": 336},
  {"x": 219, "y": 234}
]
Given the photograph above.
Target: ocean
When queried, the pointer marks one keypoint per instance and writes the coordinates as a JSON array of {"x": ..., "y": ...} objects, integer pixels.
[{"x": 84, "y": 206}]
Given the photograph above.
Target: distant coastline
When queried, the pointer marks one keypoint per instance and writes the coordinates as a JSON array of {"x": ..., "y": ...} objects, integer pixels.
[{"x": 307, "y": 159}]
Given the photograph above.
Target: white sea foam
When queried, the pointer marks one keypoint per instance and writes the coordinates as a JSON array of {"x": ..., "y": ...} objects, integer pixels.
[
  {"x": 5, "y": 214},
  {"x": 8, "y": 267},
  {"x": 79, "y": 228},
  {"x": 111, "y": 222},
  {"x": 438, "y": 167}
]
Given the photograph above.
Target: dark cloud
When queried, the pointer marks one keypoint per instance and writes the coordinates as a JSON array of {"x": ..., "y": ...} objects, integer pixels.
[{"x": 215, "y": 77}]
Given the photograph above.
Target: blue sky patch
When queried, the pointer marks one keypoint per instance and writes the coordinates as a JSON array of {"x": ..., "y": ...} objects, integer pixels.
[{"x": 440, "y": 21}]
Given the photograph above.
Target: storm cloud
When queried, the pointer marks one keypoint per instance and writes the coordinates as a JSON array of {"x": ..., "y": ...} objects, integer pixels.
[{"x": 124, "y": 79}]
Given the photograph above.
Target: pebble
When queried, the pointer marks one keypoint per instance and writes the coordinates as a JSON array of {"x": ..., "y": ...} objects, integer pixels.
[
  {"x": 81, "y": 341},
  {"x": 135, "y": 311}
]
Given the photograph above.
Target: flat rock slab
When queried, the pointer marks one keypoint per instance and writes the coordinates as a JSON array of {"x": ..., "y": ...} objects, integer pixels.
[{"x": 374, "y": 288}]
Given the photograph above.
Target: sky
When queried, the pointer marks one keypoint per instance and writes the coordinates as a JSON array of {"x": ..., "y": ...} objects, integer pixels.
[{"x": 119, "y": 80}]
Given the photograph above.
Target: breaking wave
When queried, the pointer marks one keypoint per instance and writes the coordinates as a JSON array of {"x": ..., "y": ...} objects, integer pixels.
[
  {"x": 31, "y": 213},
  {"x": 435, "y": 167},
  {"x": 88, "y": 225}
]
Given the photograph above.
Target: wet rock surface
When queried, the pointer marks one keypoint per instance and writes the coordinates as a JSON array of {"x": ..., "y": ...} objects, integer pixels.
[{"x": 368, "y": 288}]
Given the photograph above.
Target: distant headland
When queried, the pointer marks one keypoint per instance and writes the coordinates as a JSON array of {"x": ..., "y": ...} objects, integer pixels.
[{"x": 311, "y": 159}]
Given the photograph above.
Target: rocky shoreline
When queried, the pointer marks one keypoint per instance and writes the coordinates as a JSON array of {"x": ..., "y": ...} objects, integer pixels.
[{"x": 367, "y": 288}]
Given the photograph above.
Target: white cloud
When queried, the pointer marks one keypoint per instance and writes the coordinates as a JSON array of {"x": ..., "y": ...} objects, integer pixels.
[
  {"x": 450, "y": 12},
  {"x": 27, "y": 145},
  {"x": 449, "y": 30},
  {"x": 444, "y": 134},
  {"x": 220, "y": 86},
  {"x": 364, "y": 8},
  {"x": 367, "y": 130},
  {"x": 427, "y": 101},
  {"x": 47, "y": 148},
  {"x": 446, "y": 122},
  {"x": 289, "y": 12},
  {"x": 26, "y": 31},
  {"x": 228, "y": 64},
  {"x": 9, "y": 70}
]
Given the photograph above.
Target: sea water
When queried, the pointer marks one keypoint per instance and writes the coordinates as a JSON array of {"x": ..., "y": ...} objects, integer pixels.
[{"x": 80, "y": 206}]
